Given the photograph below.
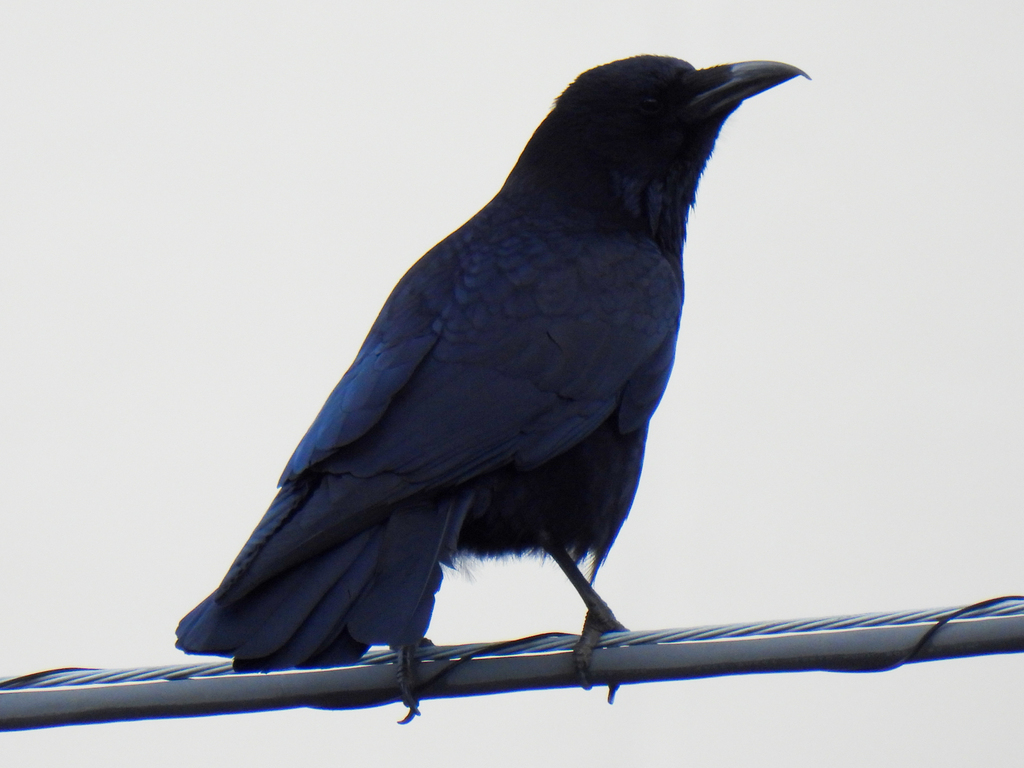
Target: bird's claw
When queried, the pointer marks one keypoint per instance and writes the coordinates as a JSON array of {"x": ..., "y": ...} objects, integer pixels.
[
  {"x": 406, "y": 682},
  {"x": 599, "y": 620}
]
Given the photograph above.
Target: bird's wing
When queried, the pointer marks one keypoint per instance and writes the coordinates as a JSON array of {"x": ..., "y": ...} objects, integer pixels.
[
  {"x": 406, "y": 329},
  {"x": 530, "y": 353}
]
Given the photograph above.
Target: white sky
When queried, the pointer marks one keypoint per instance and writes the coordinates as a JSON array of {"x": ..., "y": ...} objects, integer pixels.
[{"x": 203, "y": 206}]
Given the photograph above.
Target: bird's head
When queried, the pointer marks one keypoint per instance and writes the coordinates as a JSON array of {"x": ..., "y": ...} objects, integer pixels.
[{"x": 637, "y": 133}]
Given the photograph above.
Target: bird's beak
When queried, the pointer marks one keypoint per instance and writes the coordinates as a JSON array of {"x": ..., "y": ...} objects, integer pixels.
[{"x": 721, "y": 89}]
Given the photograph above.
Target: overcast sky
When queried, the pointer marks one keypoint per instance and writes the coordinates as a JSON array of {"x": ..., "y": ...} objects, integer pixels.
[{"x": 203, "y": 206}]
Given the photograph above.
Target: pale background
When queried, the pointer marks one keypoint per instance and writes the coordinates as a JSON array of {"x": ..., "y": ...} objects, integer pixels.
[{"x": 203, "y": 206}]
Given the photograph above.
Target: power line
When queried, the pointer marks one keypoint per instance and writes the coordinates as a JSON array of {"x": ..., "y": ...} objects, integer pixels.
[{"x": 859, "y": 643}]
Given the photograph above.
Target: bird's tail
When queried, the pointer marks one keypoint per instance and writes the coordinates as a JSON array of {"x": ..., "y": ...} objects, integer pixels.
[{"x": 376, "y": 588}]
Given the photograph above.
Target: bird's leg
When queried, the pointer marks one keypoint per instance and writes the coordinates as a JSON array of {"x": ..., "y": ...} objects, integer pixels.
[
  {"x": 405, "y": 674},
  {"x": 600, "y": 618}
]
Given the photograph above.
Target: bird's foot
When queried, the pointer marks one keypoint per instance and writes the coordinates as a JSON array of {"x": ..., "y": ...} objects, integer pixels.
[
  {"x": 600, "y": 619},
  {"x": 406, "y": 677}
]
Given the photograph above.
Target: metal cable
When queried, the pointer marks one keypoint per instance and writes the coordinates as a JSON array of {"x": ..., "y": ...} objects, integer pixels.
[
  {"x": 863, "y": 643},
  {"x": 1011, "y": 606}
]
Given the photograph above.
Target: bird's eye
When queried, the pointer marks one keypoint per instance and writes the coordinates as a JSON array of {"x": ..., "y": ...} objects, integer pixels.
[{"x": 650, "y": 106}]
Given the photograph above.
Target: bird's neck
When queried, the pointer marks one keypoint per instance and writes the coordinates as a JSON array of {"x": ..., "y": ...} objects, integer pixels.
[{"x": 588, "y": 196}]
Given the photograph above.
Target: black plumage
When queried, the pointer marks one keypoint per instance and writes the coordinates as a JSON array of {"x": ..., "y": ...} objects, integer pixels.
[{"x": 501, "y": 400}]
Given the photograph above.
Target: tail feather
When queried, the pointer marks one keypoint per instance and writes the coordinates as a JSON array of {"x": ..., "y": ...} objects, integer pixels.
[
  {"x": 263, "y": 621},
  {"x": 319, "y": 630},
  {"x": 376, "y": 588},
  {"x": 313, "y": 621},
  {"x": 408, "y": 575}
]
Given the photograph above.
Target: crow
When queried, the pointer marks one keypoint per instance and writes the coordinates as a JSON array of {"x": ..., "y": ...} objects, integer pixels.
[{"x": 500, "y": 403}]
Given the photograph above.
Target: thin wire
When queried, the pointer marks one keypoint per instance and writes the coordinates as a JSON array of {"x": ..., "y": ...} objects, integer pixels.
[{"x": 927, "y": 637}]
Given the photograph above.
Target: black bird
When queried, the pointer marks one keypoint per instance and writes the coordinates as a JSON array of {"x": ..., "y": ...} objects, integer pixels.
[{"x": 500, "y": 402}]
